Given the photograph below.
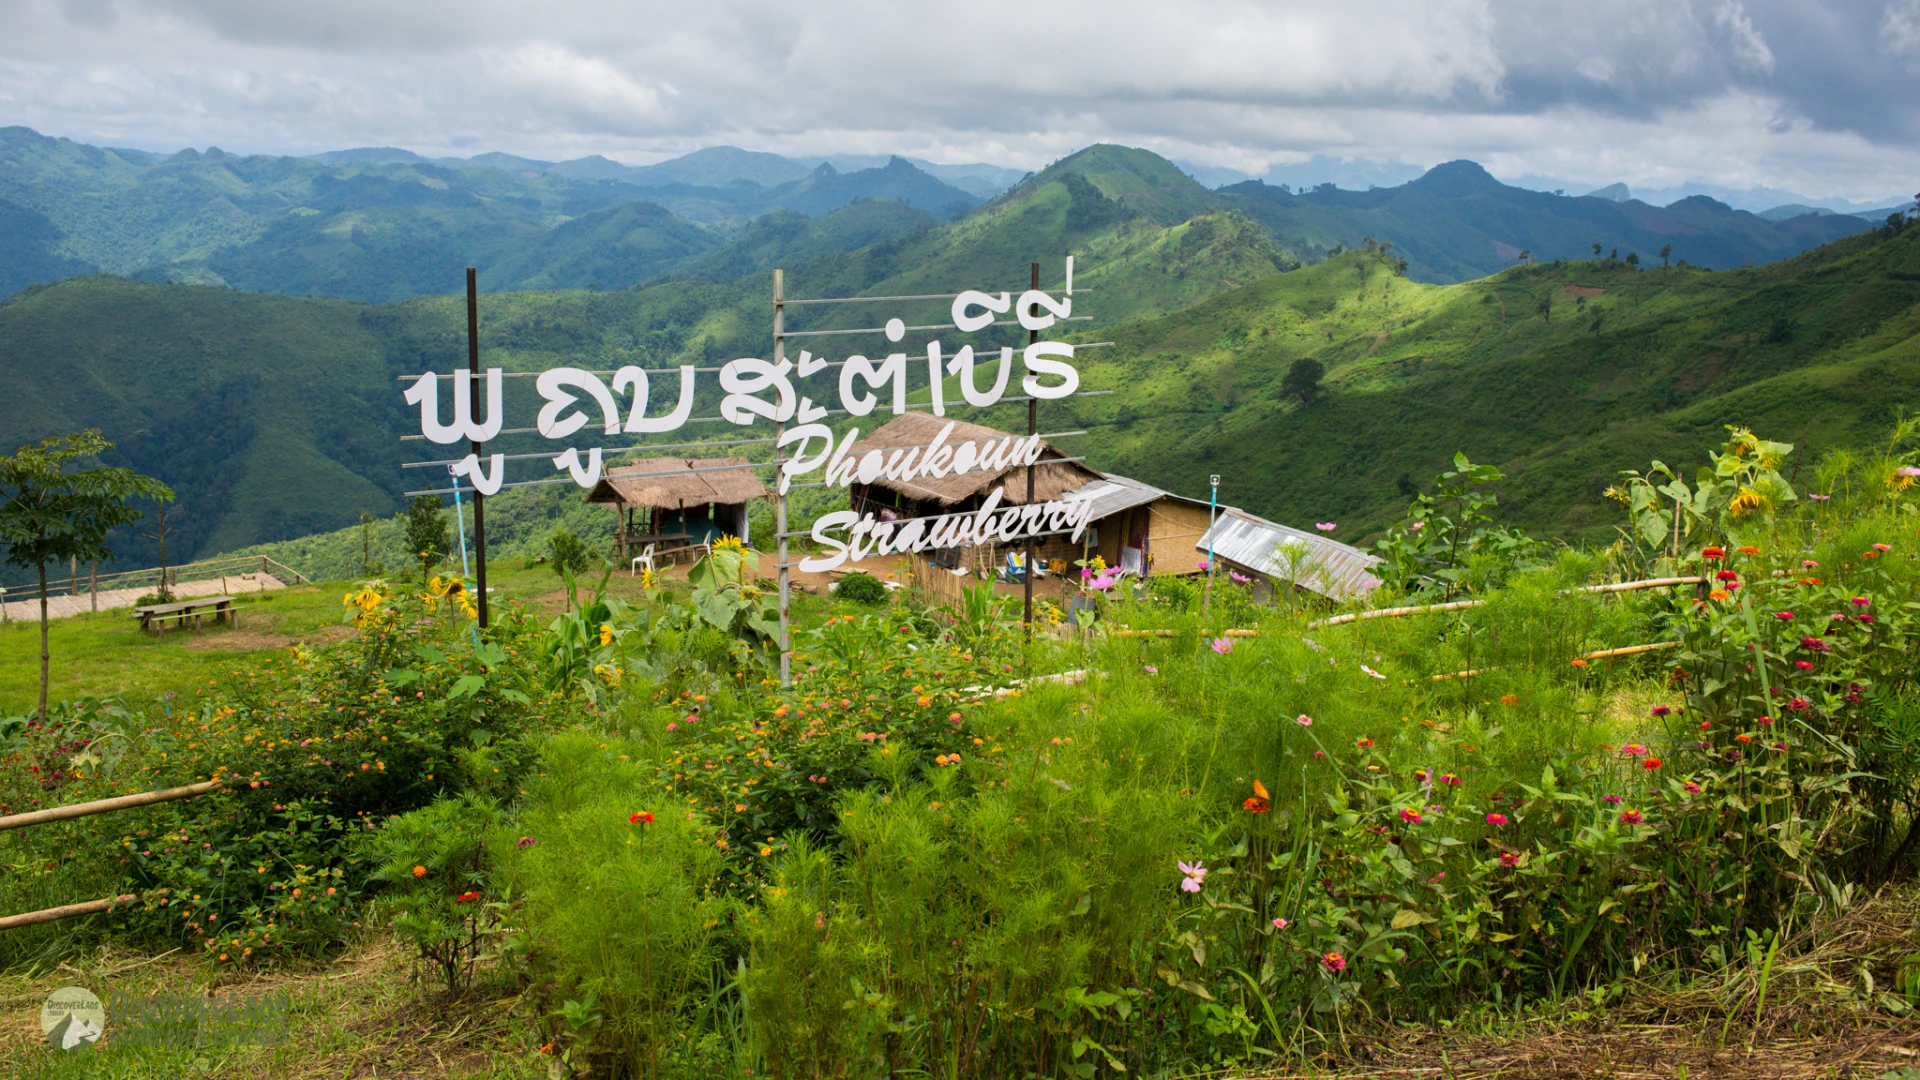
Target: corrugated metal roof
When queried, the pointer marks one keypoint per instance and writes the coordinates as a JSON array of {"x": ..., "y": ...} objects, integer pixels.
[
  {"x": 1331, "y": 568},
  {"x": 1112, "y": 494}
]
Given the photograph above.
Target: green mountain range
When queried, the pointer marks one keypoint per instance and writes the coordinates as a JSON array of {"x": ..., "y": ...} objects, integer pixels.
[
  {"x": 277, "y": 417},
  {"x": 379, "y": 225}
]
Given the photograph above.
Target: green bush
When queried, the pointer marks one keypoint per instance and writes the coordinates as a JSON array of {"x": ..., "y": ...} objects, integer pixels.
[{"x": 861, "y": 588}]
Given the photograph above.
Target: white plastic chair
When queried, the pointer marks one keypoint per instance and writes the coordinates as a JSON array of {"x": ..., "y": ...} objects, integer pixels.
[{"x": 645, "y": 557}]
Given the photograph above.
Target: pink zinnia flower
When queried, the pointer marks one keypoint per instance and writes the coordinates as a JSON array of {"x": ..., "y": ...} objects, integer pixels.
[
  {"x": 1809, "y": 564},
  {"x": 1861, "y": 601},
  {"x": 1303, "y": 720},
  {"x": 1799, "y": 704},
  {"x": 1692, "y": 788},
  {"x": 1281, "y": 924},
  {"x": 1410, "y": 816},
  {"x": 1496, "y": 820},
  {"x": 1334, "y": 963},
  {"x": 1662, "y": 710},
  {"x": 1509, "y": 859},
  {"x": 1614, "y": 799},
  {"x": 1783, "y": 616},
  {"x": 1631, "y": 817},
  {"x": 1883, "y": 547}
]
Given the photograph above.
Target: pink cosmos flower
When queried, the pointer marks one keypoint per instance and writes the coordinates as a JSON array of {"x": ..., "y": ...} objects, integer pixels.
[
  {"x": 1222, "y": 645},
  {"x": 1196, "y": 875},
  {"x": 1204, "y": 565},
  {"x": 1303, "y": 720},
  {"x": 1281, "y": 924},
  {"x": 1238, "y": 576},
  {"x": 1325, "y": 526}
]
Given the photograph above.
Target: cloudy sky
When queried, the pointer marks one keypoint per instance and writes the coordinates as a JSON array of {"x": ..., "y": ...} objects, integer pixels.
[{"x": 1820, "y": 97}]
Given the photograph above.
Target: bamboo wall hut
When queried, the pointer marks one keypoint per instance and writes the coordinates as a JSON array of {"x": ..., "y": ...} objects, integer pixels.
[
  {"x": 678, "y": 502},
  {"x": 929, "y": 496},
  {"x": 1141, "y": 528}
]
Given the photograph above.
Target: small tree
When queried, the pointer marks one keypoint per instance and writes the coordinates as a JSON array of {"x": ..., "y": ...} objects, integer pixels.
[
  {"x": 1633, "y": 258},
  {"x": 1665, "y": 250},
  {"x": 161, "y": 530},
  {"x": 1596, "y": 251},
  {"x": 569, "y": 555},
  {"x": 48, "y": 514},
  {"x": 428, "y": 537},
  {"x": 1302, "y": 380}
]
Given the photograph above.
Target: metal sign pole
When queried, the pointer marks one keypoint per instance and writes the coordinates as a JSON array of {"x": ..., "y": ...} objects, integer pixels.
[
  {"x": 780, "y": 490},
  {"x": 479, "y": 500},
  {"x": 1213, "y": 504},
  {"x": 1033, "y": 428}
]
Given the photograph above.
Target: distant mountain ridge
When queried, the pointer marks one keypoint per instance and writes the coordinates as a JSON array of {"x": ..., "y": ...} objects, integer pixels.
[{"x": 382, "y": 224}]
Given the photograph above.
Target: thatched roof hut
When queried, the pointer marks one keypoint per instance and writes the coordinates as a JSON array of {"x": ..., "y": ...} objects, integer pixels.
[
  {"x": 684, "y": 501},
  {"x": 677, "y": 483},
  {"x": 1053, "y": 476}
]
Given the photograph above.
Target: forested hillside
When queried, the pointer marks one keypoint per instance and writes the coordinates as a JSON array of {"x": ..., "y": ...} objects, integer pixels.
[
  {"x": 275, "y": 417},
  {"x": 1561, "y": 374}
]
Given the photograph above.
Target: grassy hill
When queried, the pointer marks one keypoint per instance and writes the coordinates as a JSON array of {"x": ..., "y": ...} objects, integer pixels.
[{"x": 1562, "y": 374}]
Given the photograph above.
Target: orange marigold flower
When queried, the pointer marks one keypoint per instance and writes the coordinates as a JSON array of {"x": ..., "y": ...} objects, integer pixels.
[
  {"x": 1650, "y": 764},
  {"x": 1579, "y": 663},
  {"x": 419, "y": 871},
  {"x": 1509, "y": 699}
]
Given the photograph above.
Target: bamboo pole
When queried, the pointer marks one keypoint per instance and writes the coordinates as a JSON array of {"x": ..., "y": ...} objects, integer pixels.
[
  {"x": 1461, "y": 605},
  {"x": 102, "y": 806},
  {"x": 1603, "y": 654},
  {"x": 68, "y": 911}
]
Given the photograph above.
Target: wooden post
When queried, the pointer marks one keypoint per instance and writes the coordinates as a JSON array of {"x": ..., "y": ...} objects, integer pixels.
[
  {"x": 73, "y": 575},
  {"x": 93, "y": 585},
  {"x": 473, "y": 389},
  {"x": 1033, "y": 428},
  {"x": 780, "y": 487}
]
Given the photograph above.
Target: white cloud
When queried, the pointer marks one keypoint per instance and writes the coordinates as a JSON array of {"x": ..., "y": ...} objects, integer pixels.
[{"x": 1617, "y": 87}]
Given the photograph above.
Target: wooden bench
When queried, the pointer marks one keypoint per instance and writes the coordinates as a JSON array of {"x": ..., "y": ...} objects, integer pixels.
[{"x": 154, "y": 617}]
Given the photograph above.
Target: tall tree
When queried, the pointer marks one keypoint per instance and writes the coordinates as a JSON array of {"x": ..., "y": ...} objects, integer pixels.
[
  {"x": 49, "y": 513},
  {"x": 1302, "y": 380}
]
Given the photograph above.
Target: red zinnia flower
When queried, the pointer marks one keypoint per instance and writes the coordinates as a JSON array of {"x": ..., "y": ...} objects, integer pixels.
[
  {"x": 1631, "y": 817},
  {"x": 1749, "y": 551},
  {"x": 1509, "y": 859},
  {"x": 1713, "y": 553},
  {"x": 1727, "y": 575},
  {"x": 1650, "y": 764},
  {"x": 466, "y": 898},
  {"x": 1743, "y": 738},
  {"x": 1661, "y": 710},
  {"x": 1256, "y": 805},
  {"x": 644, "y": 816}
]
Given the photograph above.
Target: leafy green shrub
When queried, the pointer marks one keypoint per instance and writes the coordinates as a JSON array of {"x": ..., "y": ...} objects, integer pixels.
[
  {"x": 862, "y": 588},
  {"x": 433, "y": 865}
]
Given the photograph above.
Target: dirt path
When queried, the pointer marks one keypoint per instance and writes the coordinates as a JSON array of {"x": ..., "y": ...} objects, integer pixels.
[{"x": 59, "y": 607}]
